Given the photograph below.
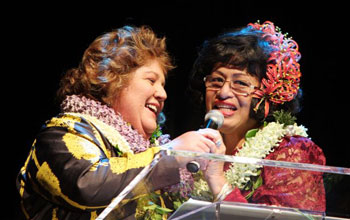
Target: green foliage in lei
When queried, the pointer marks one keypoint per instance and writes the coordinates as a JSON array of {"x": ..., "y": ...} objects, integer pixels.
[
  {"x": 153, "y": 205},
  {"x": 155, "y": 135},
  {"x": 284, "y": 117},
  {"x": 254, "y": 183},
  {"x": 148, "y": 207}
]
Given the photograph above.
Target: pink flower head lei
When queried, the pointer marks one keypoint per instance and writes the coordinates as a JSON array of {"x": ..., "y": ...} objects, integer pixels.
[{"x": 283, "y": 70}]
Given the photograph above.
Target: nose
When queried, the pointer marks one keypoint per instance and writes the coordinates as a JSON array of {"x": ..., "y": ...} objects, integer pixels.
[
  {"x": 225, "y": 91},
  {"x": 160, "y": 93}
]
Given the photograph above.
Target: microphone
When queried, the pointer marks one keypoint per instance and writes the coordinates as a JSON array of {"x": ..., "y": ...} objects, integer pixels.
[{"x": 213, "y": 119}]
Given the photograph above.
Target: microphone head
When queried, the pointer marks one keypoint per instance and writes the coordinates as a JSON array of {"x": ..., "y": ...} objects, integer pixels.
[{"x": 216, "y": 117}]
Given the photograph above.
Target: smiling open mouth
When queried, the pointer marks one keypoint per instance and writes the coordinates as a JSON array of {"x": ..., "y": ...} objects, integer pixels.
[
  {"x": 152, "y": 108},
  {"x": 225, "y": 109}
]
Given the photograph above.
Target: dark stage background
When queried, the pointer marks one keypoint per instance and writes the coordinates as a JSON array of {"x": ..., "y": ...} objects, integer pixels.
[{"x": 42, "y": 43}]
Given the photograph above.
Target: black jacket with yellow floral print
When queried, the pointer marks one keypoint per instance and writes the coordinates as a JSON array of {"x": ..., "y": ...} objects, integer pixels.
[{"x": 73, "y": 170}]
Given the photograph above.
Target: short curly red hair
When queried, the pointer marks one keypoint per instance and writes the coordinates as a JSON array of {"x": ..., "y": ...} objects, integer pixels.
[{"x": 107, "y": 62}]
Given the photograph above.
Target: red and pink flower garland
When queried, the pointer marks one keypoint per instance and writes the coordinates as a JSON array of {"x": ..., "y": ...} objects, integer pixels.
[{"x": 283, "y": 70}]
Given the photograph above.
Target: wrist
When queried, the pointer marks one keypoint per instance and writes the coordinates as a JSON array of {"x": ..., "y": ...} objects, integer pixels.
[
  {"x": 225, "y": 191},
  {"x": 216, "y": 184}
]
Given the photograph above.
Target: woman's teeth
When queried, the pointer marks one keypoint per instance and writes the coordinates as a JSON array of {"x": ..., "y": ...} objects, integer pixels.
[
  {"x": 152, "y": 108},
  {"x": 230, "y": 107}
]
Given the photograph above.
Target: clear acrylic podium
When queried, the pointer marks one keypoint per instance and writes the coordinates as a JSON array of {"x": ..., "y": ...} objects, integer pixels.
[
  {"x": 336, "y": 183},
  {"x": 195, "y": 209}
]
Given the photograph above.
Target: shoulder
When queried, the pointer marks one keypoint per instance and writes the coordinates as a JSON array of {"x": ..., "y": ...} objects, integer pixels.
[
  {"x": 67, "y": 121},
  {"x": 299, "y": 142},
  {"x": 71, "y": 123},
  {"x": 69, "y": 129},
  {"x": 92, "y": 129},
  {"x": 298, "y": 149}
]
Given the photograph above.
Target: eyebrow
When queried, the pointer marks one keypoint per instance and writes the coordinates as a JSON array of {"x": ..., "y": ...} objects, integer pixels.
[
  {"x": 219, "y": 72},
  {"x": 223, "y": 74},
  {"x": 157, "y": 74}
]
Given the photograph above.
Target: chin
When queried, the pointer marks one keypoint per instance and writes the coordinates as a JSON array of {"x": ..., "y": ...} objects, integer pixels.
[
  {"x": 150, "y": 129},
  {"x": 227, "y": 128},
  {"x": 224, "y": 130}
]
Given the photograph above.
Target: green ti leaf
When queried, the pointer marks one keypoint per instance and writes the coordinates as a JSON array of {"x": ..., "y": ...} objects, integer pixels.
[
  {"x": 258, "y": 182},
  {"x": 150, "y": 207},
  {"x": 251, "y": 133},
  {"x": 162, "y": 210},
  {"x": 253, "y": 184}
]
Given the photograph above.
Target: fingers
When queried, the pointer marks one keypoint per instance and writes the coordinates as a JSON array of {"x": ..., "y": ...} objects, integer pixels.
[
  {"x": 213, "y": 137},
  {"x": 212, "y": 134},
  {"x": 207, "y": 145},
  {"x": 204, "y": 140},
  {"x": 218, "y": 143},
  {"x": 203, "y": 164}
]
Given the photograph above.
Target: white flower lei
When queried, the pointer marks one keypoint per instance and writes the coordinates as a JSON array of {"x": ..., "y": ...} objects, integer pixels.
[{"x": 258, "y": 147}]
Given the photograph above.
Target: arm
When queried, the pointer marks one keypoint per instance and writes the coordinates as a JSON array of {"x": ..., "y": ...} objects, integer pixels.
[
  {"x": 214, "y": 174},
  {"x": 69, "y": 165},
  {"x": 289, "y": 187}
]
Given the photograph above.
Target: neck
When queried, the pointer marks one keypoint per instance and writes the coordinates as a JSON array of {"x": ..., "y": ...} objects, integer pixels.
[
  {"x": 235, "y": 139},
  {"x": 232, "y": 142}
]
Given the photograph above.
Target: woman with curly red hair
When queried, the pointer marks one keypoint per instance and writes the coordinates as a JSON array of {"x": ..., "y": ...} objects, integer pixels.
[{"x": 106, "y": 132}]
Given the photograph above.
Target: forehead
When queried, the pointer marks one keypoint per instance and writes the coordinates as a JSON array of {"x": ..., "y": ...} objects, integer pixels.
[
  {"x": 231, "y": 72},
  {"x": 152, "y": 67}
]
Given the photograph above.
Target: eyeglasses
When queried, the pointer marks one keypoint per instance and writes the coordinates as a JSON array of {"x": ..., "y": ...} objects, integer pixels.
[{"x": 239, "y": 84}]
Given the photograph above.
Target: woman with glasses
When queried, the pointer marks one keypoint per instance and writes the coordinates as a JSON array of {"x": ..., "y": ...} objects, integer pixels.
[{"x": 252, "y": 77}]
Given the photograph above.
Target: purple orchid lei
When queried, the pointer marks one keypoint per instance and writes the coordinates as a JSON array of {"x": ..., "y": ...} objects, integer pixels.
[
  {"x": 185, "y": 186},
  {"x": 84, "y": 105}
]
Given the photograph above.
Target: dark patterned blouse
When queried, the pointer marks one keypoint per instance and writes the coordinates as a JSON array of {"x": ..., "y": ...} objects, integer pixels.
[{"x": 73, "y": 170}]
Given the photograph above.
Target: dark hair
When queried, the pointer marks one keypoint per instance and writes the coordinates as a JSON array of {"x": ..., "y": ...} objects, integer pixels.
[
  {"x": 107, "y": 62},
  {"x": 243, "y": 49}
]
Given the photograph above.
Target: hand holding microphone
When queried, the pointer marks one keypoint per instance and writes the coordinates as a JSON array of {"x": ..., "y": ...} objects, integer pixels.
[
  {"x": 202, "y": 140},
  {"x": 214, "y": 120}
]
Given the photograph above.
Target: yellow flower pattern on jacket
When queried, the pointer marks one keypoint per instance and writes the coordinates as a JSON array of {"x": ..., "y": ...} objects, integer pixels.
[
  {"x": 48, "y": 180},
  {"x": 78, "y": 149}
]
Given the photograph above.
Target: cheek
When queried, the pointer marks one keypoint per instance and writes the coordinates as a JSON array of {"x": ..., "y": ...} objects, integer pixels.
[
  {"x": 125, "y": 103},
  {"x": 245, "y": 105},
  {"x": 209, "y": 98}
]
